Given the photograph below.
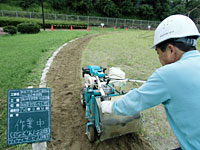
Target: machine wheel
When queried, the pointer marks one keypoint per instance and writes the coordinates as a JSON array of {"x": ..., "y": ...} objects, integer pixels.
[
  {"x": 82, "y": 97},
  {"x": 91, "y": 134}
]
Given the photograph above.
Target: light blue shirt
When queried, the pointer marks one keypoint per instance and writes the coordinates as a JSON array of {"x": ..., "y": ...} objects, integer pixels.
[{"x": 177, "y": 86}]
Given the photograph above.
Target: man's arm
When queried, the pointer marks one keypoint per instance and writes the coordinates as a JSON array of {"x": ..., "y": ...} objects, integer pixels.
[{"x": 151, "y": 93}]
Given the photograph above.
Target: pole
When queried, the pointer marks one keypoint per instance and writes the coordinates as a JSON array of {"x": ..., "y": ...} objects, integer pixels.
[
  {"x": 43, "y": 15},
  {"x": 88, "y": 20}
]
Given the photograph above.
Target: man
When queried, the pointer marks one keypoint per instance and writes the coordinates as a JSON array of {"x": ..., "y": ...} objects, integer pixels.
[{"x": 176, "y": 84}]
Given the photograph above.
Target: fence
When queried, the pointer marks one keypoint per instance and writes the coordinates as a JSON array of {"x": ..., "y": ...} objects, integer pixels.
[{"x": 90, "y": 20}]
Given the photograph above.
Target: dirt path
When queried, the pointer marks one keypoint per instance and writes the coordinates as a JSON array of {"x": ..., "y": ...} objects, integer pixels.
[{"x": 68, "y": 116}]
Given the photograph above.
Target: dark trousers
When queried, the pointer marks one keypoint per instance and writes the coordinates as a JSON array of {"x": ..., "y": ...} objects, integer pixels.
[{"x": 177, "y": 148}]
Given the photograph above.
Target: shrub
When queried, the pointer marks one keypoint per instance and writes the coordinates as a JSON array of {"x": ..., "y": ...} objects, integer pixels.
[
  {"x": 28, "y": 28},
  {"x": 10, "y": 29},
  {"x": 58, "y": 24}
]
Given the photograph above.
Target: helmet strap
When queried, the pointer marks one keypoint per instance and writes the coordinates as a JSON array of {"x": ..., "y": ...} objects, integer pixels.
[{"x": 187, "y": 41}]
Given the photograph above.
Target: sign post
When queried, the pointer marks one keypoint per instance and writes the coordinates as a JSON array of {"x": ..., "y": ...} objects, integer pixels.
[{"x": 29, "y": 116}]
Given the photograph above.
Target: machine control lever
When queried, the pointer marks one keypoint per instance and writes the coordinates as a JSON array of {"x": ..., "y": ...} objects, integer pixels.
[{"x": 108, "y": 81}]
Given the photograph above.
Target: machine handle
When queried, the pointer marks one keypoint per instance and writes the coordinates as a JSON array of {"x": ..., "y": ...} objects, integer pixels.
[{"x": 108, "y": 80}]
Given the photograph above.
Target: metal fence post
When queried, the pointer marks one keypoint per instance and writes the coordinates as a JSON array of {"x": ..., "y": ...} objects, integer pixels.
[
  {"x": 55, "y": 16},
  {"x": 30, "y": 15},
  {"x": 2, "y": 13},
  {"x": 88, "y": 20},
  {"x": 132, "y": 22},
  {"x": 98, "y": 21},
  {"x": 16, "y": 14},
  {"x": 124, "y": 23}
]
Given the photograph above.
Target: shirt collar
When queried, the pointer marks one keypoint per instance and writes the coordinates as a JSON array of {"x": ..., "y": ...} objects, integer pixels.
[{"x": 190, "y": 54}]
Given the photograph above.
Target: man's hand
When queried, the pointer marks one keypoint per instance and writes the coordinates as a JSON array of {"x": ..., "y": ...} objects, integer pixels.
[{"x": 106, "y": 107}]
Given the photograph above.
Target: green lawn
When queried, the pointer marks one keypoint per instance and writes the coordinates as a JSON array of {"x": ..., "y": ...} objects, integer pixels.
[
  {"x": 22, "y": 59},
  {"x": 129, "y": 50}
]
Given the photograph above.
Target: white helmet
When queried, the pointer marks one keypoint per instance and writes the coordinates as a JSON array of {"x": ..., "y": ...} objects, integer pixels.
[{"x": 175, "y": 26}]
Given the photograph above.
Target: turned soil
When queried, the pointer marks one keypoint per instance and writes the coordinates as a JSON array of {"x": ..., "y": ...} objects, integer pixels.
[{"x": 68, "y": 116}]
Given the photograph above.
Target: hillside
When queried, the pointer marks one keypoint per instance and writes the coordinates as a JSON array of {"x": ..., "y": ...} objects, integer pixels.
[{"x": 131, "y": 9}]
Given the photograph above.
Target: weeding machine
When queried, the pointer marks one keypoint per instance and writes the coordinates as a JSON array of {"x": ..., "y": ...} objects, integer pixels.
[{"x": 101, "y": 87}]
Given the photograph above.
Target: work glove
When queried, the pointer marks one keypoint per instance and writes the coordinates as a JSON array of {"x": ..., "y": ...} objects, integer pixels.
[{"x": 106, "y": 107}]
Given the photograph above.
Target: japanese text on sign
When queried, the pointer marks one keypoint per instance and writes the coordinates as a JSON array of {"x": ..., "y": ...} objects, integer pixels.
[{"x": 29, "y": 116}]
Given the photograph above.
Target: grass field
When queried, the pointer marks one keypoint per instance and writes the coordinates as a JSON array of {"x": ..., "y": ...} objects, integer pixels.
[
  {"x": 131, "y": 51},
  {"x": 22, "y": 59}
]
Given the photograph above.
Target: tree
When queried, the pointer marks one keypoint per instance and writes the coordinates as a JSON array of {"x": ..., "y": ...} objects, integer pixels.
[
  {"x": 146, "y": 11},
  {"x": 127, "y": 7},
  {"x": 27, "y": 3},
  {"x": 110, "y": 9},
  {"x": 178, "y": 7},
  {"x": 58, "y": 4},
  {"x": 107, "y": 7},
  {"x": 161, "y": 9},
  {"x": 83, "y": 6},
  {"x": 193, "y": 9}
]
